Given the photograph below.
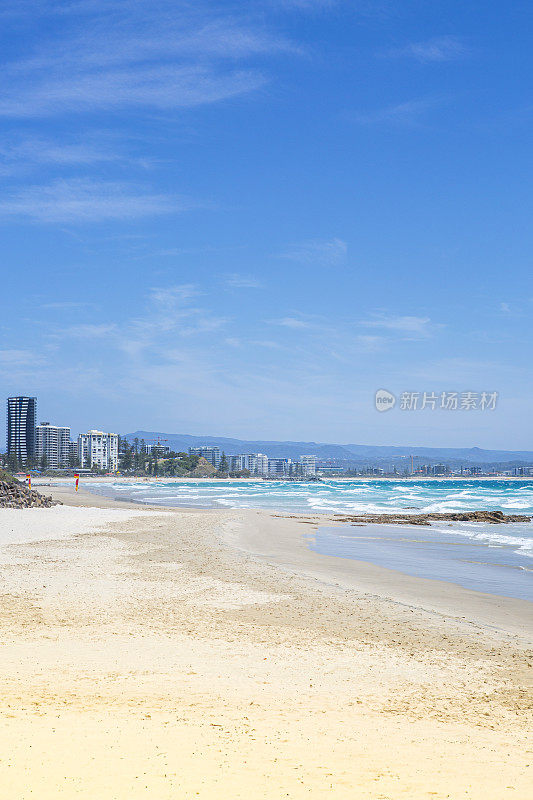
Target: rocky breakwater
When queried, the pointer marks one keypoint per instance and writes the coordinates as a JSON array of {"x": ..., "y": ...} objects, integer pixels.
[{"x": 15, "y": 495}]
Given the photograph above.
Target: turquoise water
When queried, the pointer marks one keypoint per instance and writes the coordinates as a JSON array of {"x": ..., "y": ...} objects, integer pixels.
[
  {"x": 490, "y": 558},
  {"x": 356, "y": 496}
]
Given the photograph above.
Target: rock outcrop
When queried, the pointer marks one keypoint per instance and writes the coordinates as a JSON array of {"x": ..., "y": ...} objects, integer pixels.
[
  {"x": 495, "y": 517},
  {"x": 15, "y": 495}
]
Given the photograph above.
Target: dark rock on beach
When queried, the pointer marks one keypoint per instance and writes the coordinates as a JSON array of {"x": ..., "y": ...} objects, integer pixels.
[
  {"x": 15, "y": 495},
  {"x": 494, "y": 517}
]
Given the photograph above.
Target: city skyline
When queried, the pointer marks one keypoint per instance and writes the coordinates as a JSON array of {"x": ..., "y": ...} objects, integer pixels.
[{"x": 45, "y": 446}]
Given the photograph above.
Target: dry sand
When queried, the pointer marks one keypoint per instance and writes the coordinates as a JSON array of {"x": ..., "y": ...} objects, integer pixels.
[{"x": 195, "y": 654}]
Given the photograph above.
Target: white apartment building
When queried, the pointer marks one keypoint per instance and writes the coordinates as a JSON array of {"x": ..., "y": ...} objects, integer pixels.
[
  {"x": 52, "y": 445},
  {"x": 255, "y": 463},
  {"x": 98, "y": 449},
  {"x": 308, "y": 465},
  {"x": 262, "y": 464}
]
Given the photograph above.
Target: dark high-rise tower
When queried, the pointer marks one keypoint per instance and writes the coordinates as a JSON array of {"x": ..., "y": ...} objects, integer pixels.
[{"x": 21, "y": 416}]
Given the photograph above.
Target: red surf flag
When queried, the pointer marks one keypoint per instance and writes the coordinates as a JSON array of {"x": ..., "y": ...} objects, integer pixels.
[
  {"x": 77, "y": 481},
  {"x": 28, "y": 478}
]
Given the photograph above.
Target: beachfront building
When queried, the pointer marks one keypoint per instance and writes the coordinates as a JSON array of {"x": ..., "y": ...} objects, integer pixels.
[
  {"x": 243, "y": 461},
  {"x": 21, "y": 416},
  {"x": 308, "y": 464},
  {"x": 98, "y": 449},
  {"x": 262, "y": 464},
  {"x": 255, "y": 463},
  {"x": 279, "y": 466},
  {"x": 52, "y": 446},
  {"x": 211, "y": 454}
]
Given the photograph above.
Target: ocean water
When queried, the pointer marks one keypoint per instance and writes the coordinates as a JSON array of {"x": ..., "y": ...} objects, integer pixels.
[
  {"x": 496, "y": 559},
  {"x": 331, "y": 496},
  {"x": 491, "y": 558}
]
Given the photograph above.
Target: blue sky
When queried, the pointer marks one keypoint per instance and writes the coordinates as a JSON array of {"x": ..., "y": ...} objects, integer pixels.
[{"x": 245, "y": 218}]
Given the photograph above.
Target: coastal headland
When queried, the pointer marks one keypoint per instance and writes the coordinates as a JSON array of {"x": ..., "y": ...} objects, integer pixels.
[{"x": 183, "y": 653}]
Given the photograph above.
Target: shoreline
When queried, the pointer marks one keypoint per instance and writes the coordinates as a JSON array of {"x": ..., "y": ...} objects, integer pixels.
[
  {"x": 206, "y": 654},
  {"x": 37, "y": 481},
  {"x": 286, "y": 535}
]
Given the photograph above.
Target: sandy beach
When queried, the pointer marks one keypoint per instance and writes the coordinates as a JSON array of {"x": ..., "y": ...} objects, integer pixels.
[{"x": 211, "y": 654}]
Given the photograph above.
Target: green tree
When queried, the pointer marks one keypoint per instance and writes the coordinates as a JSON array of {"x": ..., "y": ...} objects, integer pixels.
[
  {"x": 13, "y": 462},
  {"x": 223, "y": 466}
]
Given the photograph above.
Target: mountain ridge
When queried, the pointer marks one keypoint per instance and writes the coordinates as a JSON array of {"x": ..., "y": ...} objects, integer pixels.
[{"x": 350, "y": 453}]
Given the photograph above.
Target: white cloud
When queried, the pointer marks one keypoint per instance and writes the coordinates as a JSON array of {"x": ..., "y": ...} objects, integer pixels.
[
  {"x": 370, "y": 344},
  {"x": 292, "y": 322},
  {"x": 165, "y": 56},
  {"x": 84, "y": 200},
  {"x": 440, "y": 48},
  {"x": 19, "y": 358},
  {"x": 160, "y": 87},
  {"x": 328, "y": 252},
  {"x": 237, "y": 281},
  {"x": 90, "y": 331},
  {"x": 44, "y": 151},
  {"x": 409, "y": 326},
  {"x": 407, "y": 113},
  {"x": 65, "y": 305},
  {"x": 169, "y": 314},
  {"x": 169, "y": 298}
]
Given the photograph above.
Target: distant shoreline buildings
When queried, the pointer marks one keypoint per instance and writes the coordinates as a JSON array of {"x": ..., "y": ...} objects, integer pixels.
[
  {"x": 46, "y": 446},
  {"x": 49, "y": 446},
  {"x": 257, "y": 464}
]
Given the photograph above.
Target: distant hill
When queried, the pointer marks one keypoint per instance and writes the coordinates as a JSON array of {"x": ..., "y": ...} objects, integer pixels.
[{"x": 347, "y": 454}]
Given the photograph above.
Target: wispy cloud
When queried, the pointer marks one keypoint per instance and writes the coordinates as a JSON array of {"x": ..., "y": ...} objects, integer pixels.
[
  {"x": 160, "y": 87},
  {"x": 20, "y": 358},
  {"x": 45, "y": 151},
  {"x": 167, "y": 56},
  {"x": 170, "y": 313},
  {"x": 85, "y": 201},
  {"x": 238, "y": 281},
  {"x": 440, "y": 48},
  {"x": 296, "y": 323},
  {"x": 170, "y": 316},
  {"x": 328, "y": 252},
  {"x": 407, "y": 113},
  {"x": 65, "y": 305},
  {"x": 370, "y": 344},
  {"x": 407, "y": 326},
  {"x": 169, "y": 298},
  {"x": 90, "y": 331}
]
